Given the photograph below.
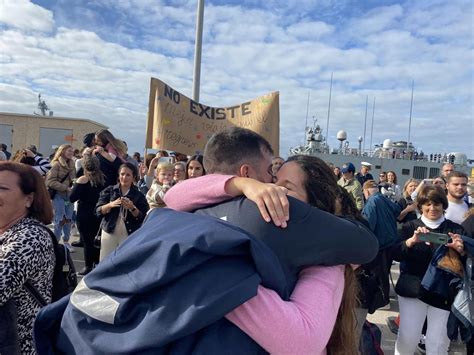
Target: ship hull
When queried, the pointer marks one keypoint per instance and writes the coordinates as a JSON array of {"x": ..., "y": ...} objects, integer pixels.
[{"x": 405, "y": 169}]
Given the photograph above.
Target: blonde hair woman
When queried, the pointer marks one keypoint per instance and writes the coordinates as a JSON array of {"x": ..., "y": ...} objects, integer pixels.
[{"x": 59, "y": 181}]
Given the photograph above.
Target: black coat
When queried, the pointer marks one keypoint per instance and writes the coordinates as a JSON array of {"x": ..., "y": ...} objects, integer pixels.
[
  {"x": 415, "y": 260},
  {"x": 112, "y": 193}
]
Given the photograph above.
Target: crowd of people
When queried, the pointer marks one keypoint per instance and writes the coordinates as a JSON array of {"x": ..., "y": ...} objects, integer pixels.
[{"x": 333, "y": 233}]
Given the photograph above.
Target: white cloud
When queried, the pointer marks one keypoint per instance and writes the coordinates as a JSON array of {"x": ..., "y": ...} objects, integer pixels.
[
  {"x": 250, "y": 51},
  {"x": 24, "y": 15},
  {"x": 376, "y": 20},
  {"x": 309, "y": 30}
]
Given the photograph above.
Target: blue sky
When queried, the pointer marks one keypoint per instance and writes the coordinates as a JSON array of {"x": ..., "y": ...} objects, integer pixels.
[{"x": 94, "y": 59}]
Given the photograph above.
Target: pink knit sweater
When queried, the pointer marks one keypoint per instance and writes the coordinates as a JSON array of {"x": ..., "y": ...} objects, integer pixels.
[{"x": 302, "y": 325}]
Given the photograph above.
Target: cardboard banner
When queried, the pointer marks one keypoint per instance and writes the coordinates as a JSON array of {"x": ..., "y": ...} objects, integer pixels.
[{"x": 178, "y": 123}]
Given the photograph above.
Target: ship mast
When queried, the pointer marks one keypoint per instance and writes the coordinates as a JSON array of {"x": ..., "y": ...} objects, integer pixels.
[
  {"x": 307, "y": 112},
  {"x": 365, "y": 123},
  {"x": 372, "y": 128},
  {"x": 329, "y": 110},
  {"x": 409, "y": 121}
]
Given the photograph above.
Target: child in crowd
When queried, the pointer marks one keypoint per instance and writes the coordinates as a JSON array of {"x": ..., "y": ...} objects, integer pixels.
[{"x": 161, "y": 184}]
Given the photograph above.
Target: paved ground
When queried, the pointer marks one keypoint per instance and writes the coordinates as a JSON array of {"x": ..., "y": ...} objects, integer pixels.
[
  {"x": 379, "y": 317},
  {"x": 388, "y": 338}
]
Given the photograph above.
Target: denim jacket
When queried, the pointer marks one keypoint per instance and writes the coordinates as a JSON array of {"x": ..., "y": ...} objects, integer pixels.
[
  {"x": 109, "y": 221},
  {"x": 462, "y": 311}
]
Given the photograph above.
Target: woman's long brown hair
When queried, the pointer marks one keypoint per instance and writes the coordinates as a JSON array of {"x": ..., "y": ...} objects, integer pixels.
[{"x": 322, "y": 190}]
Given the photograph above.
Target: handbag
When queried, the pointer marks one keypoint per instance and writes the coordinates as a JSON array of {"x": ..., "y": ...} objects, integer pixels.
[
  {"x": 52, "y": 192},
  {"x": 9, "y": 339},
  {"x": 98, "y": 237},
  {"x": 408, "y": 285}
]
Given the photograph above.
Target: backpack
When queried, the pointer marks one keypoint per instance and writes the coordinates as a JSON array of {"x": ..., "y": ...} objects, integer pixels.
[
  {"x": 64, "y": 276},
  {"x": 370, "y": 340}
]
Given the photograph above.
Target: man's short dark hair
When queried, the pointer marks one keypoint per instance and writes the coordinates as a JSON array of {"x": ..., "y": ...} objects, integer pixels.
[
  {"x": 227, "y": 150},
  {"x": 458, "y": 174},
  {"x": 3, "y": 146}
]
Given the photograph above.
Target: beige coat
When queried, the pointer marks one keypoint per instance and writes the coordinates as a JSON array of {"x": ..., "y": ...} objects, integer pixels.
[{"x": 60, "y": 169}]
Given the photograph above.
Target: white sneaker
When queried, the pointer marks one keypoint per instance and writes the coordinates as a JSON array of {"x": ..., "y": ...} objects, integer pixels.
[
  {"x": 69, "y": 247},
  {"x": 74, "y": 230}
]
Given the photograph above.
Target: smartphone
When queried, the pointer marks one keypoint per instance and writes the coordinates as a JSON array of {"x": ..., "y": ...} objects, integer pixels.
[
  {"x": 435, "y": 238},
  {"x": 168, "y": 160},
  {"x": 428, "y": 181}
]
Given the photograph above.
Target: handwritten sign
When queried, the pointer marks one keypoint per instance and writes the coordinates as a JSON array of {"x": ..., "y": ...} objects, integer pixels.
[{"x": 175, "y": 122}]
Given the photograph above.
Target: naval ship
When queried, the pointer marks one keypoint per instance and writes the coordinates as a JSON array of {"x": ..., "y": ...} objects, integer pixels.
[{"x": 401, "y": 157}]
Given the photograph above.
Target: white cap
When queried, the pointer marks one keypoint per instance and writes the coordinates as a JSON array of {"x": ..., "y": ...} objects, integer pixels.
[{"x": 364, "y": 163}]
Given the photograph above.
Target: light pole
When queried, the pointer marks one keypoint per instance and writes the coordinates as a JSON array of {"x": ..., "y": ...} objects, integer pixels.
[{"x": 198, "y": 50}]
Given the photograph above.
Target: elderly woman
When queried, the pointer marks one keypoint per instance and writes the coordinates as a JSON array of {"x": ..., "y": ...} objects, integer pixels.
[
  {"x": 417, "y": 303},
  {"x": 59, "y": 180},
  {"x": 26, "y": 248},
  {"x": 123, "y": 208},
  {"x": 179, "y": 172}
]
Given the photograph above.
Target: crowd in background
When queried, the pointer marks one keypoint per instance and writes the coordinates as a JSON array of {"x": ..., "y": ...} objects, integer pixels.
[{"x": 106, "y": 194}]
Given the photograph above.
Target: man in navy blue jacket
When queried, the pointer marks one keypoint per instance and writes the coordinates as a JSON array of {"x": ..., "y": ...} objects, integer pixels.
[
  {"x": 381, "y": 214},
  {"x": 168, "y": 287}
]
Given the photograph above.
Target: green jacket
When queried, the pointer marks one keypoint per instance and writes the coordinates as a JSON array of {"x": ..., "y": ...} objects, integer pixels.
[{"x": 354, "y": 188}]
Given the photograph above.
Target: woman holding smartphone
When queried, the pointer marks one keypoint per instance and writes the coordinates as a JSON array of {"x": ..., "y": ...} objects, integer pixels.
[
  {"x": 415, "y": 255},
  {"x": 123, "y": 208}
]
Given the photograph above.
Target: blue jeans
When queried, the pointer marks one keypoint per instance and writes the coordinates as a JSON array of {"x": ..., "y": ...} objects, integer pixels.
[{"x": 63, "y": 210}]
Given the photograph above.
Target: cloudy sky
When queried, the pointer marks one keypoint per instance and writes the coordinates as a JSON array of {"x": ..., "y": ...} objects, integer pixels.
[{"x": 94, "y": 59}]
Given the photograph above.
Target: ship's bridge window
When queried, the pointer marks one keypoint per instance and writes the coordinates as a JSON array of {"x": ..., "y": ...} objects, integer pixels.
[
  {"x": 434, "y": 172},
  {"x": 378, "y": 167},
  {"x": 419, "y": 172},
  {"x": 405, "y": 171}
]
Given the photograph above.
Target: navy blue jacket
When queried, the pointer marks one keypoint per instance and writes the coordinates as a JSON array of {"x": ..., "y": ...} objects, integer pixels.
[
  {"x": 166, "y": 289},
  {"x": 183, "y": 260},
  {"x": 316, "y": 237},
  {"x": 461, "y": 319},
  {"x": 382, "y": 214}
]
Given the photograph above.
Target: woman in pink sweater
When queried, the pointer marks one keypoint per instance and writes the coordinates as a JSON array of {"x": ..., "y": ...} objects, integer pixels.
[{"x": 304, "y": 324}]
